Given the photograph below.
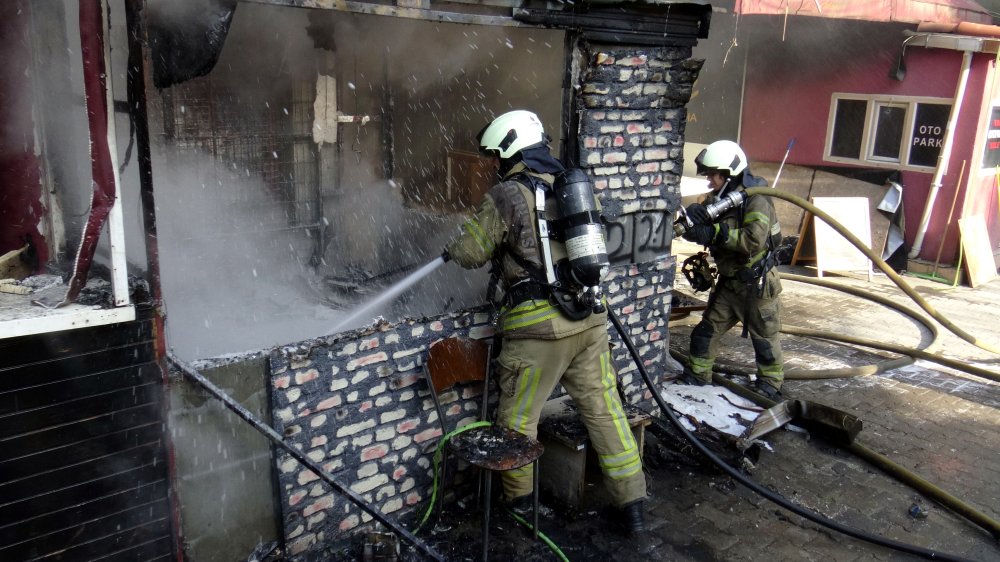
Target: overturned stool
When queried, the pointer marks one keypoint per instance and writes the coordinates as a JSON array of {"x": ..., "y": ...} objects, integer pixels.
[{"x": 567, "y": 456}]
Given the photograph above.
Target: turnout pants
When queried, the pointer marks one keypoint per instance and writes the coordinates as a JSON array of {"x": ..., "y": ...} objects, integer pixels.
[
  {"x": 726, "y": 307},
  {"x": 528, "y": 371}
]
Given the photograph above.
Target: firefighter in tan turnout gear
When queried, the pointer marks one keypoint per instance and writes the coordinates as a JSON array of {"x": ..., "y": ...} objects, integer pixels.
[
  {"x": 742, "y": 241},
  {"x": 548, "y": 336}
]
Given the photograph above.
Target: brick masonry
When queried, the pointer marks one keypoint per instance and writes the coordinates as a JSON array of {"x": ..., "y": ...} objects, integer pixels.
[{"x": 358, "y": 403}]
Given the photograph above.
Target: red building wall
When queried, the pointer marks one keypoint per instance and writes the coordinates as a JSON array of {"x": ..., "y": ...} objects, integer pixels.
[
  {"x": 20, "y": 182},
  {"x": 793, "y": 71}
]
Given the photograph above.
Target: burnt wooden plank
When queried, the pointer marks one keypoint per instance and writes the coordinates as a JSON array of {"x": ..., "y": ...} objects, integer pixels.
[
  {"x": 72, "y": 411},
  {"x": 44, "y": 394},
  {"x": 43, "y": 461},
  {"x": 79, "y": 514},
  {"x": 46, "y": 348},
  {"x": 81, "y": 492},
  {"x": 100, "y": 524},
  {"x": 65, "y": 369},
  {"x": 48, "y": 479},
  {"x": 108, "y": 422}
]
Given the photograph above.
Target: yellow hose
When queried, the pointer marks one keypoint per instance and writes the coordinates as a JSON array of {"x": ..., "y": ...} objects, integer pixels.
[
  {"x": 899, "y": 472},
  {"x": 865, "y": 370},
  {"x": 895, "y": 470},
  {"x": 903, "y": 286}
]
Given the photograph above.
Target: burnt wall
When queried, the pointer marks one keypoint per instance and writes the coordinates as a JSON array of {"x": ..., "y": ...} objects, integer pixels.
[
  {"x": 83, "y": 455},
  {"x": 358, "y": 403}
]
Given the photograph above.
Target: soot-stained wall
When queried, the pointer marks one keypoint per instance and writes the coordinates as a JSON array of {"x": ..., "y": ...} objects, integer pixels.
[{"x": 358, "y": 404}]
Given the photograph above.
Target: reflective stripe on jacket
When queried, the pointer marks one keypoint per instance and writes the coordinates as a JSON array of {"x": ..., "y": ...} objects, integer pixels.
[{"x": 748, "y": 239}]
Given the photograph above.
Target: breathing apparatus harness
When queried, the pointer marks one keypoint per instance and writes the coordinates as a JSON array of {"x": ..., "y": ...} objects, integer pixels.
[{"x": 573, "y": 284}]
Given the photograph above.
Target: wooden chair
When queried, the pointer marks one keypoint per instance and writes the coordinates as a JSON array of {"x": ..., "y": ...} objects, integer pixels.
[{"x": 494, "y": 448}]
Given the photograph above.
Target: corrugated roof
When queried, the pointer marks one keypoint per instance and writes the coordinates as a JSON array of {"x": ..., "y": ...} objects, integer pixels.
[{"x": 905, "y": 11}]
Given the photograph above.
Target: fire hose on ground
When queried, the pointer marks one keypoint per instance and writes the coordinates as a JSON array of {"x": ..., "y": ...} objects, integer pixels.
[
  {"x": 757, "y": 488},
  {"x": 880, "y": 461},
  {"x": 890, "y": 273}
]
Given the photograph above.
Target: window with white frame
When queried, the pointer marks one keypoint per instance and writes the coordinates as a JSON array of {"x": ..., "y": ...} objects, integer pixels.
[{"x": 886, "y": 131}]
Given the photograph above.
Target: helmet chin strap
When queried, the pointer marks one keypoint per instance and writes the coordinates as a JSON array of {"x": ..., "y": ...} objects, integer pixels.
[{"x": 725, "y": 187}]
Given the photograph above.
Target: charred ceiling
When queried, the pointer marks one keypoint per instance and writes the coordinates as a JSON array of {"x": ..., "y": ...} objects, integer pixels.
[
  {"x": 634, "y": 24},
  {"x": 186, "y": 38}
]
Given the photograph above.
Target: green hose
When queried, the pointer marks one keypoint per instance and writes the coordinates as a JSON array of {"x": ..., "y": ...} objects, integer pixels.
[
  {"x": 437, "y": 462},
  {"x": 438, "y": 452},
  {"x": 548, "y": 542},
  {"x": 895, "y": 277}
]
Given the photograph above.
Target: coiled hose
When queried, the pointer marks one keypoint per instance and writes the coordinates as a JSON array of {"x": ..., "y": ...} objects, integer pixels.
[{"x": 903, "y": 286}]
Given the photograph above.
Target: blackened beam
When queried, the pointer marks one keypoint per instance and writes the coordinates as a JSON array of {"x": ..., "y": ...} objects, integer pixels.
[
  {"x": 312, "y": 465},
  {"x": 403, "y": 11},
  {"x": 621, "y": 27}
]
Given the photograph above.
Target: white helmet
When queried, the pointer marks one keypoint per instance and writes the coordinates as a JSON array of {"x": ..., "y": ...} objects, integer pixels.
[
  {"x": 511, "y": 133},
  {"x": 725, "y": 156}
]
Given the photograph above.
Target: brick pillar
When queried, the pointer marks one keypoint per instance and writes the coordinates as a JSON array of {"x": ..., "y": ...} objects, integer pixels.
[{"x": 631, "y": 108}]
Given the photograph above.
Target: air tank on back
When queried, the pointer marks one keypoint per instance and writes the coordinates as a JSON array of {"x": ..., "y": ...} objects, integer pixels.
[{"x": 582, "y": 229}]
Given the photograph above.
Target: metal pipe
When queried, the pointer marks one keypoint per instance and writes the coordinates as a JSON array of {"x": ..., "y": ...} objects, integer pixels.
[
  {"x": 947, "y": 223},
  {"x": 273, "y": 435},
  {"x": 781, "y": 166},
  {"x": 943, "y": 156}
]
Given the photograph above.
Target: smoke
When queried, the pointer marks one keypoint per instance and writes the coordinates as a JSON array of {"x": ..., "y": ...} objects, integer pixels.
[
  {"x": 232, "y": 282},
  {"x": 229, "y": 285}
]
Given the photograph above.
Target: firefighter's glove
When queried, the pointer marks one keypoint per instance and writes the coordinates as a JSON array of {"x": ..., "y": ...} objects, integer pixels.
[
  {"x": 707, "y": 234},
  {"x": 698, "y": 214},
  {"x": 701, "y": 234}
]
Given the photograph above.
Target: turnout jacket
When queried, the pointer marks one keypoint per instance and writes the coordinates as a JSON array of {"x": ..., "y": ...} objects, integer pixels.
[
  {"x": 751, "y": 227},
  {"x": 504, "y": 228}
]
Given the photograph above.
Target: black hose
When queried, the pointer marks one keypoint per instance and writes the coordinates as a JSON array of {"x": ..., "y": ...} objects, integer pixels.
[
  {"x": 275, "y": 438},
  {"x": 768, "y": 494}
]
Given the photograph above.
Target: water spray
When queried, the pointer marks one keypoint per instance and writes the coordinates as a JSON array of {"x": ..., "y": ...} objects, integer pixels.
[{"x": 389, "y": 294}]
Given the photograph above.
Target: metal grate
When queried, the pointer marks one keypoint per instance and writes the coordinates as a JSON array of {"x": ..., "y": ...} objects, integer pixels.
[{"x": 255, "y": 140}]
